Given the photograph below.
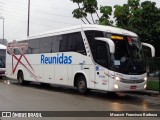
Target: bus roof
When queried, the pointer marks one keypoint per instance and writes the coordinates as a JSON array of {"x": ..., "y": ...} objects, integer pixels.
[
  {"x": 2, "y": 46},
  {"x": 85, "y": 27}
]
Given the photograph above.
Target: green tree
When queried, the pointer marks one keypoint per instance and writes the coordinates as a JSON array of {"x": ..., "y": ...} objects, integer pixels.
[
  {"x": 141, "y": 18},
  {"x": 106, "y": 12},
  {"x": 86, "y": 7},
  {"x": 79, "y": 13}
]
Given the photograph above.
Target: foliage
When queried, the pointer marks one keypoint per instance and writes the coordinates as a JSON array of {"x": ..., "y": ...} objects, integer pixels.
[
  {"x": 90, "y": 6},
  {"x": 141, "y": 18},
  {"x": 79, "y": 13},
  {"x": 105, "y": 18},
  {"x": 86, "y": 7}
]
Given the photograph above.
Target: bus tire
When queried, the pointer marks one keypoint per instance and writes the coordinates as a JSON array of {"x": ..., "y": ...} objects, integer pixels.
[
  {"x": 81, "y": 85},
  {"x": 21, "y": 79}
]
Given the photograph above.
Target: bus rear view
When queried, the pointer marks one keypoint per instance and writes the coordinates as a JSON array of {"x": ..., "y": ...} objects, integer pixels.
[{"x": 2, "y": 60}]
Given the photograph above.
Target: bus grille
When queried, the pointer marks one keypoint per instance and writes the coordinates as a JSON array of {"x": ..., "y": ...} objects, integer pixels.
[{"x": 131, "y": 81}]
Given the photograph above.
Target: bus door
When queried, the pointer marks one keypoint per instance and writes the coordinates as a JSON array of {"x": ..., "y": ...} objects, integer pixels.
[
  {"x": 102, "y": 79},
  {"x": 101, "y": 57}
]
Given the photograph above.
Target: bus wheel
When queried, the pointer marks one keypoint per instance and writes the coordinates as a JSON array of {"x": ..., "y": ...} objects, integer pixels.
[
  {"x": 20, "y": 78},
  {"x": 81, "y": 85}
]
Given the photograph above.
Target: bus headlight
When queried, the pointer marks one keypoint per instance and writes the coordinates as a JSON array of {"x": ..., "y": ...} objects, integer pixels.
[
  {"x": 145, "y": 86},
  {"x": 145, "y": 78},
  {"x": 116, "y": 86},
  {"x": 117, "y": 78}
]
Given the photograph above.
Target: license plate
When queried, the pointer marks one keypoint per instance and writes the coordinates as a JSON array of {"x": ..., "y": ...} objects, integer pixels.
[{"x": 133, "y": 87}]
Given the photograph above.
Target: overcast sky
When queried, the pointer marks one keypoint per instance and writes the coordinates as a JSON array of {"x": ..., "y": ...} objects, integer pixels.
[{"x": 46, "y": 15}]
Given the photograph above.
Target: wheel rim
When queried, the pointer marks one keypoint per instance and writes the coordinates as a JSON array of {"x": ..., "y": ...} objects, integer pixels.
[
  {"x": 20, "y": 79},
  {"x": 81, "y": 86}
]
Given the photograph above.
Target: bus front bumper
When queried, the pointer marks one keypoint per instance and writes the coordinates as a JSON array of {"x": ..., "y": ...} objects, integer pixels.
[{"x": 120, "y": 86}]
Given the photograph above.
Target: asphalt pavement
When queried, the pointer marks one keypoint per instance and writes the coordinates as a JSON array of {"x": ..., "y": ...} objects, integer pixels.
[{"x": 14, "y": 97}]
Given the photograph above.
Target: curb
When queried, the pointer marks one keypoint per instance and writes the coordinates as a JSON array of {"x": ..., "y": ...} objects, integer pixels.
[{"x": 147, "y": 92}]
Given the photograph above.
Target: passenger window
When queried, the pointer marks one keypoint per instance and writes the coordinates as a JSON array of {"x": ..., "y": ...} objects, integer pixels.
[
  {"x": 16, "y": 51},
  {"x": 55, "y": 43},
  {"x": 33, "y": 46},
  {"x": 63, "y": 43},
  {"x": 75, "y": 43},
  {"x": 45, "y": 45}
]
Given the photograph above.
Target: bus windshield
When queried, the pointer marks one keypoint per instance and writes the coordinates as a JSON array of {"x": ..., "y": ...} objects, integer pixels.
[
  {"x": 2, "y": 58},
  {"x": 128, "y": 57}
]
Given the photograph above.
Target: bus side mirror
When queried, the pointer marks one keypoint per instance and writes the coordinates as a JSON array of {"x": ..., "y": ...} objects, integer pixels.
[
  {"x": 150, "y": 46},
  {"x": 110, "y": 43}
]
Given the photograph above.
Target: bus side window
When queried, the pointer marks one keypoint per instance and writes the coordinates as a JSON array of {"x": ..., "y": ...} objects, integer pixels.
[
  {"x": 70, "y": 43},
  {"x": 28, "y": 50},
  {"x": 63, "y": 44},
  {"x": 34, "y": 46},
  {"x": 16, "y": 51},
  {"x": 45, "y": 45},
  {"x": 55, "y": 43},
  {"x": 75, "y": 43}
]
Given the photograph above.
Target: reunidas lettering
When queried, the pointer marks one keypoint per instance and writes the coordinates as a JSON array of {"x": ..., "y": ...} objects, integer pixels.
[{"x": 58, "y": 59}]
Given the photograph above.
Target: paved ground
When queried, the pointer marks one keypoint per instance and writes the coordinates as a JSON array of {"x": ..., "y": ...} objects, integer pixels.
[{"x": 34, "y": 97}]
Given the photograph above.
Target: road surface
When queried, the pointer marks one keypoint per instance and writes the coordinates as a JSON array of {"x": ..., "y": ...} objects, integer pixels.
[{"x": 14, "y": 97}]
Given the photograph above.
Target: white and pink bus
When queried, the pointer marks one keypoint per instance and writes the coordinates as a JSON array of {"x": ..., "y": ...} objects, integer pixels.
[{"x": 85, "y": 56}]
